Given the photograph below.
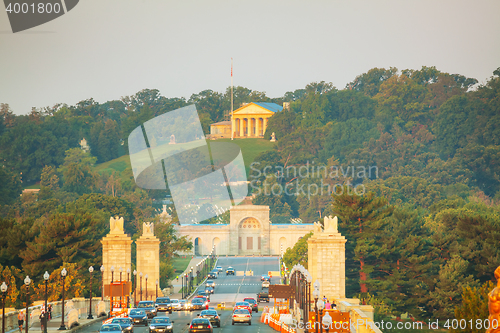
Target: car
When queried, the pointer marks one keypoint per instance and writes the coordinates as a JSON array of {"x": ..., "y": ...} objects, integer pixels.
[
  {"x": 211, "y": 315},
  {"x": 205, "y": 299},
  {"x": 175, "y": 304},
  {"x": 161, "y": 325},
  {"x": 108, "y": 328},
  {"x": 243, "y": 305},
  {"x": 209, "y": 290},
  {"x": 210, "y": 283},
  {"x": 200, "y": 325},
  {"x": 138, "y": 316},
  {"x": 125, "y": 323},
  {"x": 253, "y": 303},
  {"x": 265, "y": 278},
  {"x": 211, "y": 308},
  {"x": 230, "y": 271},
  {"x": 215, "y": 271},
  {"x": 202, "y": 293},
  {"x": 219, "y": 268},
  {"x": 242, "y": 316},
  {"x": 149, "y": 307},
  {"x": 212, "y": 275},
  {"x": 263, "y": 296},
  {"x": 265, "y": 284},
  {"x": 198, "y": 304},
  {"x": 184, "y": 304},
  {"x": 163, "y": 304}
]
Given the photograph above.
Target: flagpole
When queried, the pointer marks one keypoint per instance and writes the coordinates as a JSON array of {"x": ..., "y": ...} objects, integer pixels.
[{"x": 231, "y": 118}]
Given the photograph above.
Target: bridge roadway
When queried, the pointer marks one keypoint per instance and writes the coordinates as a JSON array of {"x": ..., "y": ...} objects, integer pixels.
[{"x": 228, "y": 289}]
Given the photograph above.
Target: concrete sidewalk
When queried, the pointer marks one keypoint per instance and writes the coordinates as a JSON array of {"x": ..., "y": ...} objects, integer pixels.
[{"x": 55, "y": 323}]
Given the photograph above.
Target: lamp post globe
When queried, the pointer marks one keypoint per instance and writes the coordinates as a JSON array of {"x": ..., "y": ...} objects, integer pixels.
[
  {"x": 326, "y": 322},
  {"x": 3, "y": 288},
  {"x": 46, "y": 277}
]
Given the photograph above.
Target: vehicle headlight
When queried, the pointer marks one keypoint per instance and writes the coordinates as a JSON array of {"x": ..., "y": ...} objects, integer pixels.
[
  {"x": 169, "y": 326},
  {"x": 152, "y": 327},
  {"x": 129, "y": 328}
]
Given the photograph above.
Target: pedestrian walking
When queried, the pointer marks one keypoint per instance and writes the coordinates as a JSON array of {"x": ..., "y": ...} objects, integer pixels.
[
  {"x": 20, "y": 320},
  {"x": 49, "y": 312},
  {"x": 328, "y": 306},
  {"x": 43, "y": 314}
]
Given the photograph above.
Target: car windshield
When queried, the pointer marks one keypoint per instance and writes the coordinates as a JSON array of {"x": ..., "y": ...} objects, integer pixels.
[
  {"x": 109, "y": 328},
  {"x": 121, "y": 321},
  {"x": 145, "y": 305},
  {"x": 209, "y": 313},
  {"x": 252, "y": 301},
  {"x": 200, "y": 321},
  {"x": 241, "y": 311},
  {"x": 160, "y": 321},
  {"x": 182, "y": 301},
  {"x": 197, "y": 300},
  {"x": 174, "y": 301},
  {"x": 162, "y": 300},
  {"x": 210, "y": 281},
  {"x": 137, "y": 312}
]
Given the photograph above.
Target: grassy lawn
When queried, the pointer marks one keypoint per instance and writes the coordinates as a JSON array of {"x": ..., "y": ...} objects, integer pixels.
[
  {"x": 34, "y": 186},
  {"x": 250, "y": 148},
  {"x": 180, "y": 264}
]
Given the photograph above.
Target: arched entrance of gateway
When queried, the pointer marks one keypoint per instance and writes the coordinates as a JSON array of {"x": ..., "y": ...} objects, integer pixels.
[
  {"x": 215, "y": 245},
  {"x": 249, "y": 236},
  {"x": 197, "y": 246}
]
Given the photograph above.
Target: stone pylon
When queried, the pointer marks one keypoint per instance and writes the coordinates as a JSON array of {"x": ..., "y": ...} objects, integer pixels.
[
  {"x": 116, "y": 251},
  {"x": 148, "y": 262},
  {"x": 326, "y": 259}
]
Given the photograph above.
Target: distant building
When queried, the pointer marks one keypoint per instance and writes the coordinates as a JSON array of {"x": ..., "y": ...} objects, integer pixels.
[
  {"x": 249, "y": 121},
  {"x": 84, "y": 145}
]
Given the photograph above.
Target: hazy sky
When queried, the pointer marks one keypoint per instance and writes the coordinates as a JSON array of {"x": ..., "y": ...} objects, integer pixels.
[{"x": 105, "y": 49}]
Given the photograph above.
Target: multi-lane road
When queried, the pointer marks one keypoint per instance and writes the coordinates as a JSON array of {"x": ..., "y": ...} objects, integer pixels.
[{"x": 228, "y": 289}]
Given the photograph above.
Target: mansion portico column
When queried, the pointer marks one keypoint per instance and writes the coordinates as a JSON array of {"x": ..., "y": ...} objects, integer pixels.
[
  {"x": 249, "y": 127},
  {"x": 257, "y": 133},
  {"x": 265, "y": 125},
  {"x": 241, "y": 127}
]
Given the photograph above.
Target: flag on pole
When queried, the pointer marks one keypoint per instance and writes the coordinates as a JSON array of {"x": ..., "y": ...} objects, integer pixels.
[{"x": 231, "y": 67}]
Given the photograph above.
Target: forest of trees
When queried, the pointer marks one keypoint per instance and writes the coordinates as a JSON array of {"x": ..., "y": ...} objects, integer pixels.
[{"x": 421, "y": 229}]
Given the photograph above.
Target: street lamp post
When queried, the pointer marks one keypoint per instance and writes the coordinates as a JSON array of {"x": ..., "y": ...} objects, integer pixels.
[
  {"x": 3, "y": 288},
  {"x": 91, "y": 269},
  {"x": 112, "y": 273},
  {"x": 46, "y": 277},
  {"x": 316, "y": 296},
  {"x": 27, "y": 282},
  {"x": 128, "y": 291},
  {"x": 63, "y": 277},
  {"x": 146, "y": 287},
  {"x": 102, "y": 278},
  {"x": 321, "y": 306},
  {"x": 140, "y": 276},
  {"x": 156, "y": 288},
  {"x": 121, "y": 285},
  {"x": 135, "y": 289}
]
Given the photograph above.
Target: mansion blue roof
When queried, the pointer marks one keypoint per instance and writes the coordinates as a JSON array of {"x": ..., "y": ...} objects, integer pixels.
[{"x": 273, "y": 107}]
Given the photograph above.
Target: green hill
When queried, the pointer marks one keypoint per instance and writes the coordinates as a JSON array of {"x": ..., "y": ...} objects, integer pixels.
[{"x": 250, "y": 148}]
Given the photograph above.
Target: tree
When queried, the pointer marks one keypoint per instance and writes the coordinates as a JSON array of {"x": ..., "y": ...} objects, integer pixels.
[
  {"x": 297, "y": 254},
  {"x": 49, "y": 182},
  {"x": 77, "y": 172},
  {"x": 474, "y": 307},
  {"x": 11, "y": 187},
  {"x": 369, "y": 83},
  {"x": 362, "y": 221}
]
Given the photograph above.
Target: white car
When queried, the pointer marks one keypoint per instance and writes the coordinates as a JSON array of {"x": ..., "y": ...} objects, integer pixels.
[
  {"x": 210, "y": 283},
  {"x": 265, "y": 284},
  {"x": 219, "y": 268},
  {"x": 176, "y": 305}
]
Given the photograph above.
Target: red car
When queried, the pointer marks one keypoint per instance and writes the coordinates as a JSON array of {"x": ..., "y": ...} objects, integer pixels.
[
  {"x": 253, "y": 303},
  {"x": 243, "y": 305}
]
